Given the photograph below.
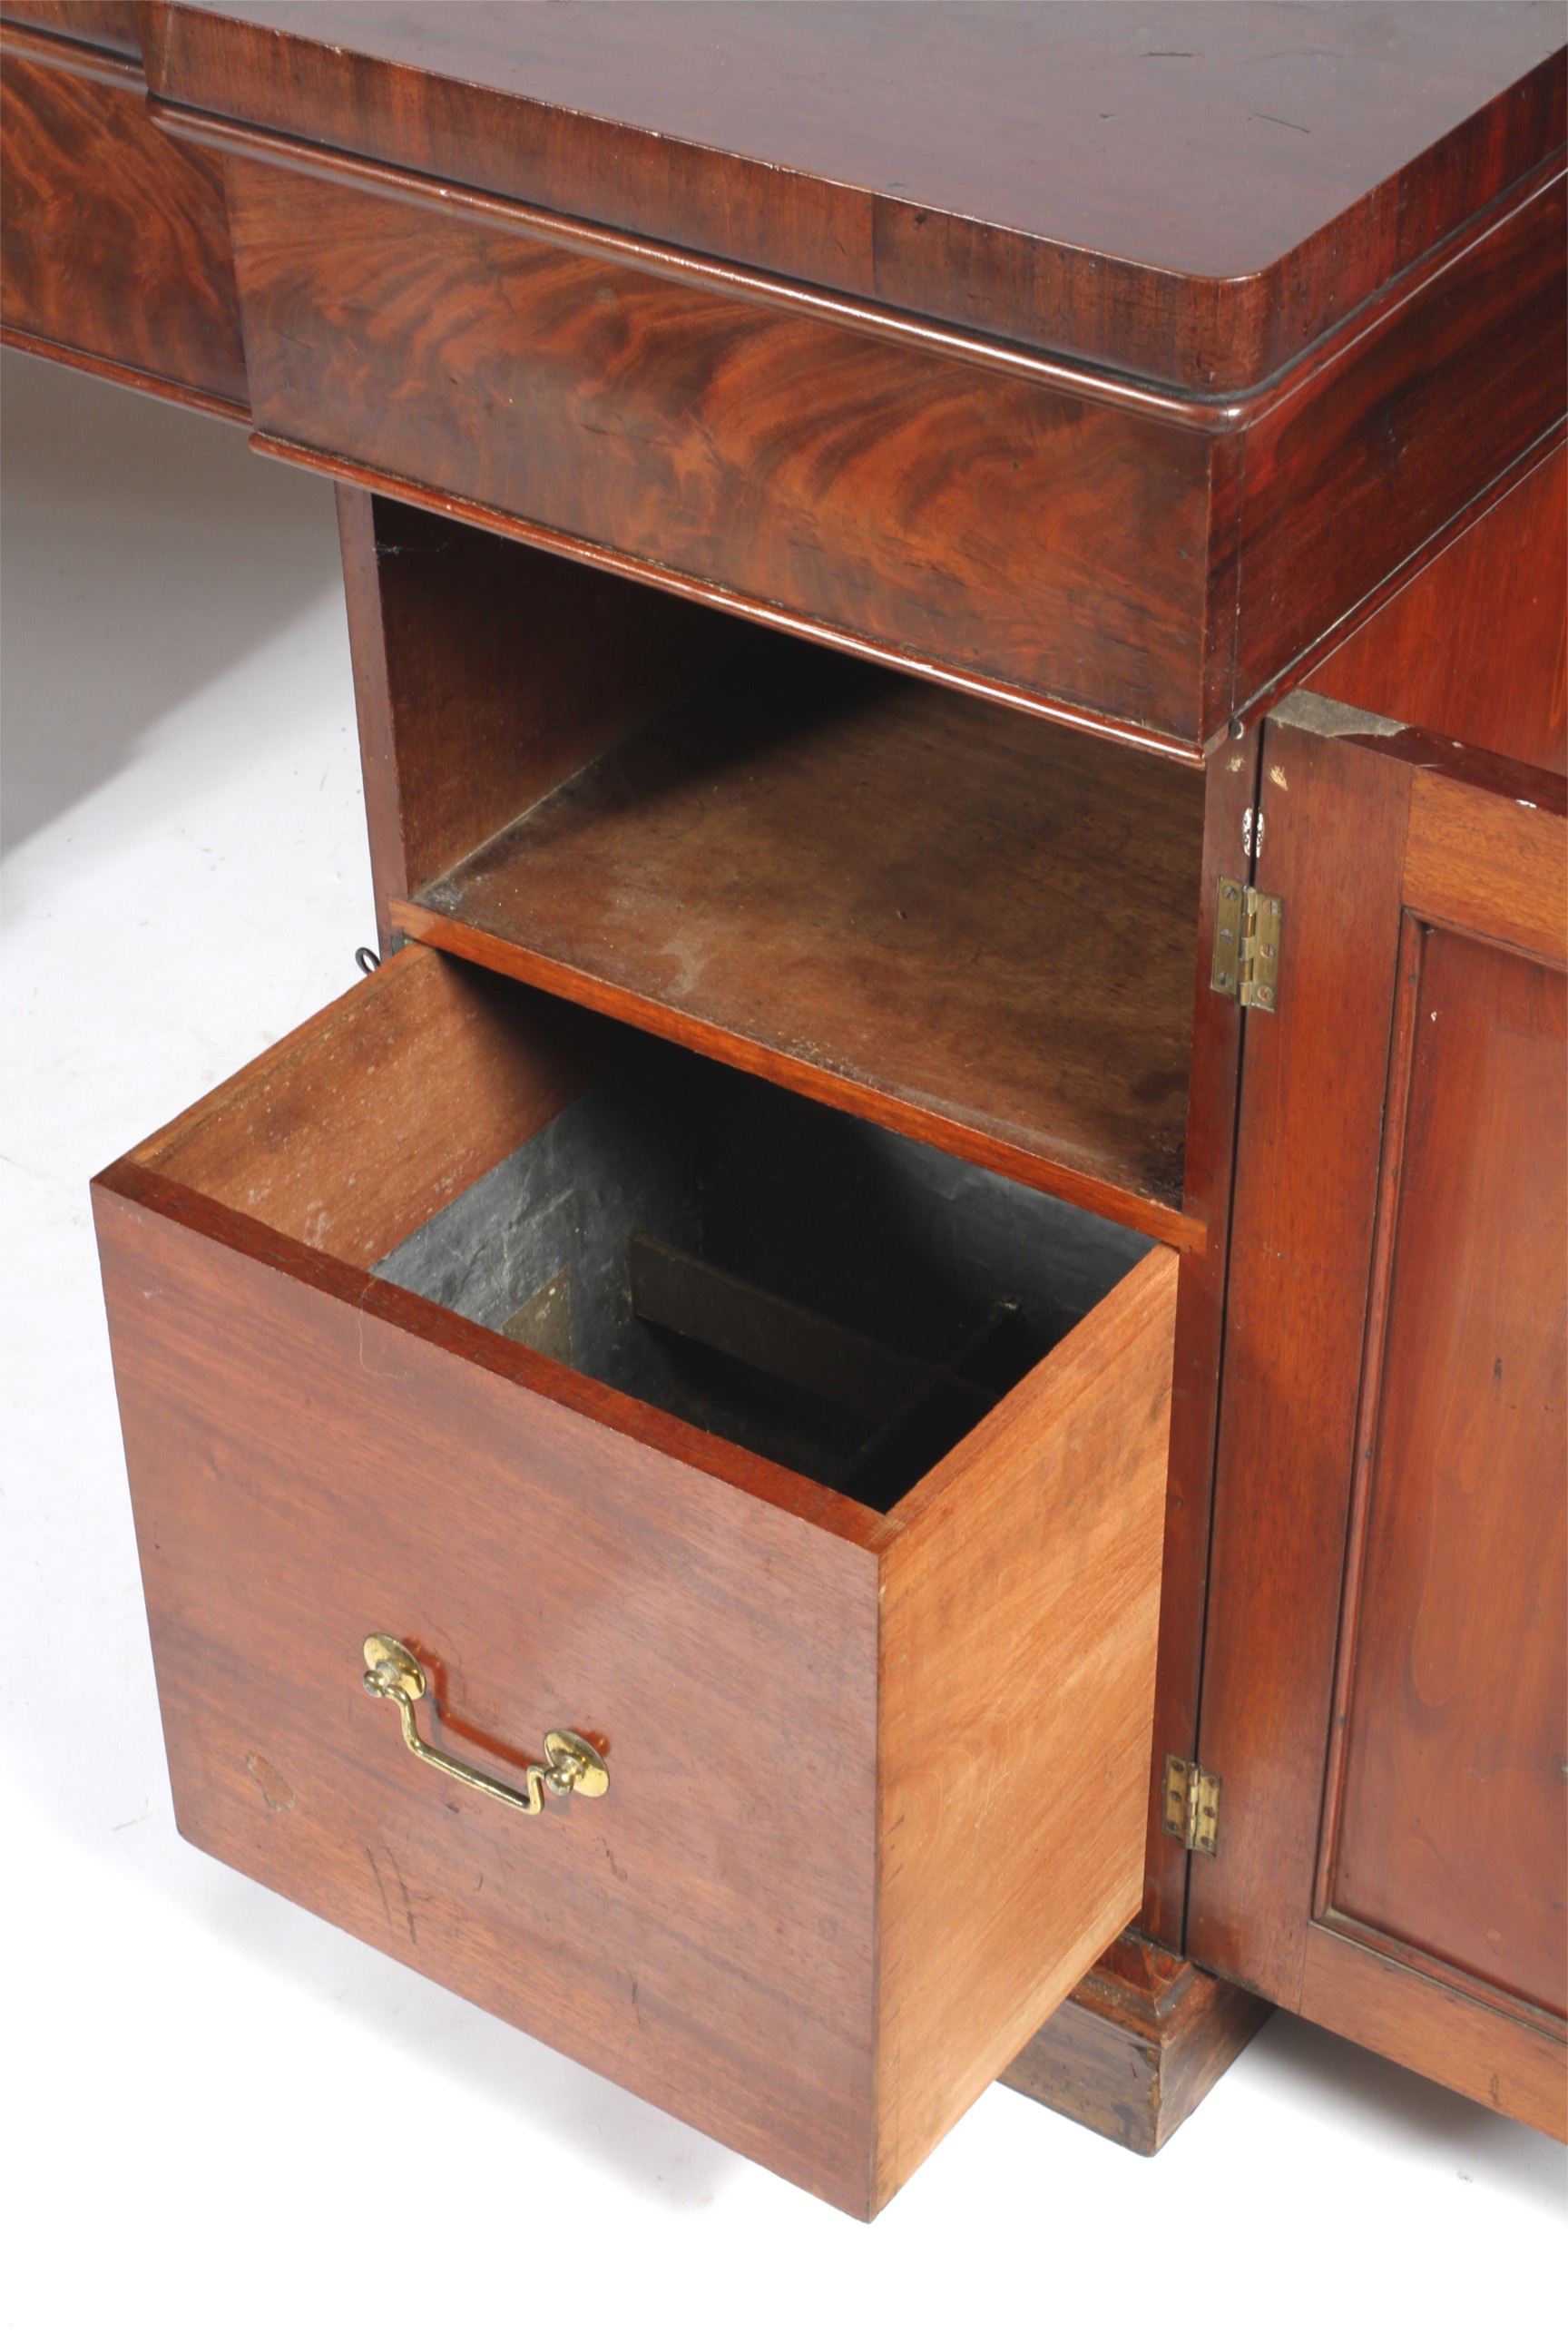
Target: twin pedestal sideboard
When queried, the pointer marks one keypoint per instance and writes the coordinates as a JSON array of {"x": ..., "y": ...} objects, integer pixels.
[{"x": 889, "y": 1407}]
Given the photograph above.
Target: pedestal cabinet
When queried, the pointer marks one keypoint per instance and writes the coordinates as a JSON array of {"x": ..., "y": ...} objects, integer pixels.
[{"x": 920, "y": 1318}]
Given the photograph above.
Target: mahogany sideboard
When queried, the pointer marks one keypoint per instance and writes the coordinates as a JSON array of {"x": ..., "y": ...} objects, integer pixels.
[{"x": 890, "y": 1407}]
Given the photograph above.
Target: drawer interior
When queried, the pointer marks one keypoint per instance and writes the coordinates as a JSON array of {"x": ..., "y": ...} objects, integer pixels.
[
  {"x": 944, "y": 914},
  {"x": 839, "y": 1299},
  {"x": 842, "y": 1301}
]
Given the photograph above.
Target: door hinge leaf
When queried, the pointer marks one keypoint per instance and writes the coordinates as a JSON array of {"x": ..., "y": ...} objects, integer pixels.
[
  {"x": 1247, "y": 923},
  {"x": 1192, "y": 1805}
]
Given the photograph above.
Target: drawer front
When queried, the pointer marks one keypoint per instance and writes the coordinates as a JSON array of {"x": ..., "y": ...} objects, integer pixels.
[
  {"x": 878, "y": 1780},
  {"x": 982, "y": 519},
  {"x": 113, "y": 236},
  {"x": 306, "y": 1473}
]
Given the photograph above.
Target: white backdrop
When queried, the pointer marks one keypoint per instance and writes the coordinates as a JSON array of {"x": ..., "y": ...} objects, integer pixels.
[{"x": 224, "y": 2124}]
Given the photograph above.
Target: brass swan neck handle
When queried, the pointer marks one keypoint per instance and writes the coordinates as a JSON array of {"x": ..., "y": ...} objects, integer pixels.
[{"x": 575, "y": 1768}]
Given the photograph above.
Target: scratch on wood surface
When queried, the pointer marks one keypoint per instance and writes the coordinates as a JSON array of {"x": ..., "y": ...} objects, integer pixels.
[{"x": 407, "y": 1907}]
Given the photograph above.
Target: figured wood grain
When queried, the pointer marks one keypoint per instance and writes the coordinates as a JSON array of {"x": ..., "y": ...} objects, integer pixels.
[
  {"x": 1009, "y": 527},
  {"x": 1195, "y": 207},
  {"x": 1100, "y": 548},
  {"x": 1475, "y": 647},
  {"x": 718, "y": 597},
  {"x": 131, "y": 379},
  {"x": 113, "y": 237},
  {"x": 913, "y": 891},
  {"x": 1019, "y": 1616},
  {"x": 330, "y": 1136},
  {"x": 1452, "y": 1822},
  {"x": 1142, "y": 2042},
  {"x": 1371, "y": 1998}
]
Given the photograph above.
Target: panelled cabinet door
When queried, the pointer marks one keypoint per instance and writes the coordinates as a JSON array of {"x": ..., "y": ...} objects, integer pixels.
[{"x": 1385, "y": 1687}]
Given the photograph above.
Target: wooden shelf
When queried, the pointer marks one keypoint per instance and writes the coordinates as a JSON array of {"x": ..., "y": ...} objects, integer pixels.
[{"x": 956, "y": 920}]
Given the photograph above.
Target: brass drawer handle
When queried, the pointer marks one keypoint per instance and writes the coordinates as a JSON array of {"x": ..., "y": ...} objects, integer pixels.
[{"x": 574, "y": 1770}]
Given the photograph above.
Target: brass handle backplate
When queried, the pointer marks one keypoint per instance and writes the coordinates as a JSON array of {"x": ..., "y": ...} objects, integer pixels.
[{"x": 576, "y": 1769}]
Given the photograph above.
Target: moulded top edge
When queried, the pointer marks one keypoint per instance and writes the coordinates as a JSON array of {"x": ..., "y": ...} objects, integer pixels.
[{"x": 1195, "y": 212}]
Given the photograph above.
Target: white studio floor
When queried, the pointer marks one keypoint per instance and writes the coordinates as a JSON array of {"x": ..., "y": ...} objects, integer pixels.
[{"x": 224, "y": 2124}]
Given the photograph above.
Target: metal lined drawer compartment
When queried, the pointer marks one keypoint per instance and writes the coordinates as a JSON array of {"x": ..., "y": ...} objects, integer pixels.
[{"x": 754, "y": 1516}]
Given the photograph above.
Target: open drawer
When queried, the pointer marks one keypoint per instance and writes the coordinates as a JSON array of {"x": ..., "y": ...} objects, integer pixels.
[{"x": 812, "y": 1476}]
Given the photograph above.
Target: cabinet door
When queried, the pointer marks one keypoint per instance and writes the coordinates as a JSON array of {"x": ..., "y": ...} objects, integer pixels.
[{"x": 1384, "y": 1686}]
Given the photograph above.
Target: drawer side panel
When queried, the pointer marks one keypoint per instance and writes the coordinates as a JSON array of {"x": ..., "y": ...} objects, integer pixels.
[
  {"x": 305, "y": 1472},
  {"x": 1020, "y": 1624}
]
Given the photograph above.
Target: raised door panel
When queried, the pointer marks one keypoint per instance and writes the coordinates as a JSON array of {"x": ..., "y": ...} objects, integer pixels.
[{"x": 1452, "y": 1801}]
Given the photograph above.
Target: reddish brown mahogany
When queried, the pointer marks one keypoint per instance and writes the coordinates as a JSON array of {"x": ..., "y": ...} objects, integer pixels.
[
  {"x": 1081, "y": 543},
  {"x": 1195, "y": 209},
  {"x": 1374, "y": 1447},
  {"x": 1476, "y": 646},
  {"x": 113, "y": 240},
  {"x": 1112, "y": 381},
  {"x": 808, "y": 1708}
]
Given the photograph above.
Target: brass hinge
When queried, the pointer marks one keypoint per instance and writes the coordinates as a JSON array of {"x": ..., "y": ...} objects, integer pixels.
[
  {"x": 1192, "y": 1805},
  {"x": 1247, "y": 945}
]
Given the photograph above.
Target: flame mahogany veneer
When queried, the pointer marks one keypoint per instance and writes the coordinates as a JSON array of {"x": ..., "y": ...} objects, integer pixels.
[{"x": 1105, "y": 391}]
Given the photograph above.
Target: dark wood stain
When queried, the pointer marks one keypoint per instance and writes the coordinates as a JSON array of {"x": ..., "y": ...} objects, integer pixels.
[
  {"x": 113, "y": 239},
  {"x": 1090, "y": 544},
  {"x": 1475, "y": 648},
  {"x": 1371, "y": 455},
  {"x": 1142, "y": 2042},
  {"x": 1197, "y": 207},
  {"x": 1110, "y": 380},
  {"x": 998, "y": 523},
  {"x": 102, "y": 24}
]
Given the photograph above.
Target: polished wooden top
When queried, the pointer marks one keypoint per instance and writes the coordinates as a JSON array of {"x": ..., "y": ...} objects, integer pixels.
[{"x": 1192, "y": 193}]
